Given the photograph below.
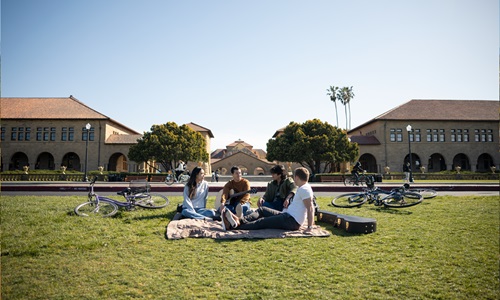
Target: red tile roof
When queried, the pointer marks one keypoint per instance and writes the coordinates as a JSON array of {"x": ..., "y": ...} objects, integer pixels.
[
  {"x": 199, "y": 128},
  {"x": 51, "y": 108},
  {"x": 365, "y": 140},
  {"x": 441, "y": 110}
]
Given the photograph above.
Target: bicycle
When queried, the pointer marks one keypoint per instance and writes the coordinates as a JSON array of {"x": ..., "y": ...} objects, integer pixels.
[
  {"x": 351, "y": 180},
  {"x": 134, "y": 195},
  {"x": 171, "y": 178},
  {"x": 426, "y": 193},
  {"x": 396, "y": 198}
]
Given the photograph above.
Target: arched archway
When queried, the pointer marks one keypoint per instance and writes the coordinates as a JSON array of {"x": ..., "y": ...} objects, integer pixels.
[
  {"x": 18, "y": 161},
  {"x": 484, "y": 162},
  {"x": 258, "y": 171},
  {"x": 118, "y": 162},
  {"x": 369, "y": 162},
  {"x": 415, "y": 161},
  {"x": 45, "y": 161},
  {"x": 461, "y": 160},
  {"x": 436, "y": 163},
  {"x": 71, "y": 161}
]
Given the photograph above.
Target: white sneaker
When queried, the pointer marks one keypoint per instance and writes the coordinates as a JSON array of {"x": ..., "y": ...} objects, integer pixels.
[
  {"x": 239, "y": 210},
  {"x": 231, "y": 218}
]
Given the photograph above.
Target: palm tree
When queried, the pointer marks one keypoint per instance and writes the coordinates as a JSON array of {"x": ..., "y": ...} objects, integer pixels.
[
  {"x": 332, "y": 92},
  {"x": 345, "y": 96}
]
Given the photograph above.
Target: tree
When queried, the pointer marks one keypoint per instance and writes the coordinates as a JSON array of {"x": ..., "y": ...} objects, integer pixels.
[
  {"x": 315, "y": 145},
  {"x": 344, "y": 95},
  {"x": 167, "y": 144},
  {"x": 332, "y": 92}
]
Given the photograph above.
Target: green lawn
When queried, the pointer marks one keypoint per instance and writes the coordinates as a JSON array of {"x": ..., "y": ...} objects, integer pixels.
[{"x": 445, "y": 248}]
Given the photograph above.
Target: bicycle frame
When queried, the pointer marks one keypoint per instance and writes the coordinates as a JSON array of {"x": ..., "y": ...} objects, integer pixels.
[{"x": 128, "y": 204}]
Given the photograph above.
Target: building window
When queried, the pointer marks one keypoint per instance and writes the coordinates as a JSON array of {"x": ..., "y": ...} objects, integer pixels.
[
  {"x": 46, "y": 133},
  {"x": 52, "y": 133},
  {"x": 434, "y": 135},
  {"x": 20, "y": 134},
  {"x": 399, "y": 135},
  {"x": 490, "y": 135},
  {"x": 441, "y": 135},
  {"x": 476, "y": 135},
  {"x": 3, "y": 133},
  {"x": 392, "y": 136},
  {"x": 64, "y": 134},
  {"x": 429, "y": 135},
  {"x": 13, "y": 135},
  {"x": 27, "y": 134},
  {"x": 39, "y": 133},
  {"x": 417, "y": 135},
  {"x": 71, "y": 134},
  {"x": 90, "y": 134}
]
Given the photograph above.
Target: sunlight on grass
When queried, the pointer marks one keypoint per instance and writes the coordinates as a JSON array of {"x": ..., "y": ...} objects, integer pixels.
[{"x": 445, "y": 248}]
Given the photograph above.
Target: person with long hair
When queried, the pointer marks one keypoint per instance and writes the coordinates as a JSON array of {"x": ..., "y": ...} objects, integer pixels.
[{"x": 195, "y": 196}]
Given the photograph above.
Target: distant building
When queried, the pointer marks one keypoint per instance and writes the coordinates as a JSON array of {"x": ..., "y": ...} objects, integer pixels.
[
  {"x": 251, "y": 161},
  {"x": 445, "y": 134},
  {"x": 47, "y": 133}
]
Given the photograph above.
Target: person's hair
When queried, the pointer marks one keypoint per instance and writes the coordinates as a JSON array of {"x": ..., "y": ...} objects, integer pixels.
[
  {"x": 192, "y": 182},
  {"x": 280, "y": 170},
  {"x": 234, "y": 169},
  {"x": 302, "y": 173}
]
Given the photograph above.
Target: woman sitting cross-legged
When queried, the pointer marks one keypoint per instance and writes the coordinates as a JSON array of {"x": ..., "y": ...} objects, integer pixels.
[{"x": 195, "y": 198}]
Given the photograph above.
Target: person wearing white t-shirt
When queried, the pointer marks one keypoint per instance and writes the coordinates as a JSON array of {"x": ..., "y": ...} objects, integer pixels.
[{"x": 299, "y": 213}]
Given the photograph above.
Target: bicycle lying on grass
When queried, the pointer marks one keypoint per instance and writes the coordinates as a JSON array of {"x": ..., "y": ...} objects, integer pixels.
[
  {"x": 426, "y": 193},
  {"x": 395, "y": 198},
  {"x": 136, "y": 195}
]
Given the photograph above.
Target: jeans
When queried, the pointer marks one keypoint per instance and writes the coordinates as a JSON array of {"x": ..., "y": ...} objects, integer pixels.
[
  {"x": 276, "y": 204},
  {"x": 232, "y": 208},
  {"x": 267, "y": 218},
  {"x": 198, "y": 213}
]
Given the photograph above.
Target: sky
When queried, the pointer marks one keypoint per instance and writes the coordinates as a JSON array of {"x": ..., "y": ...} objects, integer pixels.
[{"x": 245, "y": 69}]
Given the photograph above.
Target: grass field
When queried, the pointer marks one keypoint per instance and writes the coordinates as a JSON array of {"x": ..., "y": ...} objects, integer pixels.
[{"x": 445, "y": 248}]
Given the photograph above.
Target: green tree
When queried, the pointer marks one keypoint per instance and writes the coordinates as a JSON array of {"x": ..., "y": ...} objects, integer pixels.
[
  {"x": 332, "y": 92},
  {"x": 315, "y": 145},
  {"x": 167, "y": 144}
]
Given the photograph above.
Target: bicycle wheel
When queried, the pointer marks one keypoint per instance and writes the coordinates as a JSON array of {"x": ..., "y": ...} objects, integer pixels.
[
  {"x": 169, "y": 179},
  {"x": 426, "y": 193},
  {"x": 348, "y": 181},
  {"x": 95, "y": 209},
  {"x": 349, "y": 200},
  {"x": 152, "y": 201},
  {"x": 404, "y": 199}
]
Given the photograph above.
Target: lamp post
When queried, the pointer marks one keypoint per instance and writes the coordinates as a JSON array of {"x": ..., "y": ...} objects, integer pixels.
[
  {"x": 88, "y": 126},
  {"x": 408, "y": 128}
]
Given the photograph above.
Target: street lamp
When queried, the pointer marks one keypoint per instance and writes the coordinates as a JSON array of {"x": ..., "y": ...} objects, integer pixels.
[
  {"x": 88, "y": 126},
  {"x": 408, "y": 128}
]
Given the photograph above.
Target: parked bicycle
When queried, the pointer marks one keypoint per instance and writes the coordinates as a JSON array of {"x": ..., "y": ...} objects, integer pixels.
[
  {"x": 395, "y": 198},
  {"x": 171, "y": 178},
  {"x": 351, "y": 179},
  {"x": 426, "y": 193},
  {"x": 136, "y": 195}
]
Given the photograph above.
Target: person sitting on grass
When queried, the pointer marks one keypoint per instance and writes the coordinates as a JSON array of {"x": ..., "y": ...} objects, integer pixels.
[
  {"x": 195, "y": 198},
  {"x": 279, "y": 191},
  {"x": 300, "y": 212}
]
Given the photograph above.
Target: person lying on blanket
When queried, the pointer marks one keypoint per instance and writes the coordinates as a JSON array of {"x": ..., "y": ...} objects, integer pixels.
[
  {"x": 195, "y": 198},
  {"x": 298, "y": 213}
]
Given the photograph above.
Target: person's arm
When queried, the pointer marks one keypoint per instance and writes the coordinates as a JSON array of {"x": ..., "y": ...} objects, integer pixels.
[
  {"x": 292, "y": 189},
  {"x": 266, "y": 195},
  {"x": 310, "y": 212},
  {"x": 245, "y": 187},
  {"x": 186, "y": 203}
]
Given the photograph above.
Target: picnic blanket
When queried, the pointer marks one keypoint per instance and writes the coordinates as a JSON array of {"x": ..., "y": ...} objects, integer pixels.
[{"x": 186, "y": 228}]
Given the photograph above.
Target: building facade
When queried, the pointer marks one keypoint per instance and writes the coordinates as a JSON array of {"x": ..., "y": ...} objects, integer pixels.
[
  {"x": 444, "y": 135},
  {"x": 51, "y": 133}
]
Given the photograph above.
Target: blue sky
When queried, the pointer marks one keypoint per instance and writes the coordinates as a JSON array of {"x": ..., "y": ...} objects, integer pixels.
[{"x": 247, "y": 68}]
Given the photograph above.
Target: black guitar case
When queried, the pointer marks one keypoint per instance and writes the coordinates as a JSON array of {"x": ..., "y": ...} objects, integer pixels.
[{"x": 351, "y": 224}]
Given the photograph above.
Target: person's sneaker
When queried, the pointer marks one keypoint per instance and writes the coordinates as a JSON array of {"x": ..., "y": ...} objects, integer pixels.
[
  {"x": 225, "y": 223},
  {"x": 231, "y": 219},
  {"x": 239, "y": 210}
]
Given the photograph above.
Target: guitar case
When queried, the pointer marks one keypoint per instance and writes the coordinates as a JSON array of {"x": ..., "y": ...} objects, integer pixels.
[{"x": 351, "y": 224}]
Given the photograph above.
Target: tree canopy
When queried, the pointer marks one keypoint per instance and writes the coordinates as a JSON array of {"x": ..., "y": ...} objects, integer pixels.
[
  {"x": 314, "y": 144},
  {"x": 168, "y": 143}
]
